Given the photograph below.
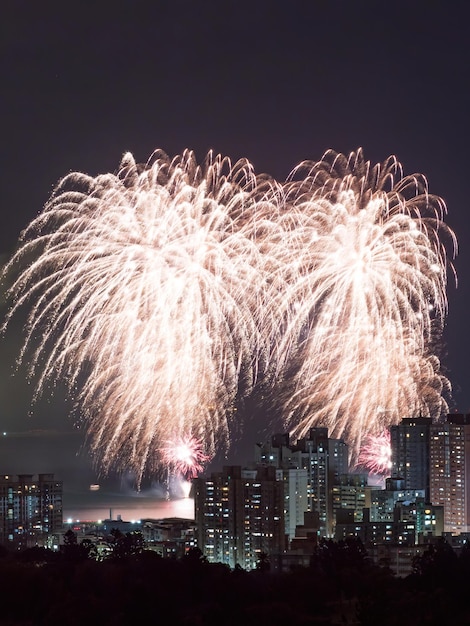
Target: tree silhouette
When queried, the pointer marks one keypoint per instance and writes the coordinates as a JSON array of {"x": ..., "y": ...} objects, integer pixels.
[{"x": 263, "y": 564}]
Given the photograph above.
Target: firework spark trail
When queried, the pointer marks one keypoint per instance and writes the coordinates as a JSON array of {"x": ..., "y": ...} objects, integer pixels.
[
  {"x": 162, "y": 291},
  {"x": 367, "y": 309},
  {"x": 142, "y": 290}
]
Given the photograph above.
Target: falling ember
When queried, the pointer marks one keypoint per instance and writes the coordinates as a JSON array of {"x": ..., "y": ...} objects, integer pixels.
[{"x": 376, "y": 455}]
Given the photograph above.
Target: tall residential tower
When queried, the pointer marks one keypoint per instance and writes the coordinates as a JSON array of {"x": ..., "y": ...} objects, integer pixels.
[
  {"x": 30, "y": 509},
  {"x": 450, "y": 471},
  {"x": 410, "y": 441}
]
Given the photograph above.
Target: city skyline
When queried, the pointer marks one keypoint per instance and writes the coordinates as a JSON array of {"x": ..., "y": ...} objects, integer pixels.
[
  {"x": 275, "y": 87},
  {"x": 425, "y": 464}
]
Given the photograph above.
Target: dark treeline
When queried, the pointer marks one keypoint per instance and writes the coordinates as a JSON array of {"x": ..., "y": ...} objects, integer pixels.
[{"x": 136, "y": 586}]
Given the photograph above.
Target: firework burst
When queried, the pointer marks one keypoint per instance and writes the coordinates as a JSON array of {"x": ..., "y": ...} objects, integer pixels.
[
  {"x": 163, "y": 292},
  {"x": 142, "y": 287},
  {"x": 185, "y": 457},
  {"x": 364, "y": 307},
  {"x": 376, "y": 455}
]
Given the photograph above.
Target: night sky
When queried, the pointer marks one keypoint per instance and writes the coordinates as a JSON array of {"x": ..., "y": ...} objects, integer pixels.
[{"x": 276, "y": 82}]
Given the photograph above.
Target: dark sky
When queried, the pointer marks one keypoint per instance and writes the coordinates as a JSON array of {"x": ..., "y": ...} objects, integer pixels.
[{"x": 276, "y": 82}]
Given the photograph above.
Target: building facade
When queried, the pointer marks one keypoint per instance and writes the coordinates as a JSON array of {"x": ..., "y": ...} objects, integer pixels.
[
  {"x": 450, "y": 471},
  {"x": 278, "y": 453},
  {"x": 30, "y": 509},
  {"x": 316, "y": 458},
  {"x": 239, "y": 515},
  {"x": 349, "y": 493},
  {"x": 410, "y": 445},
  {"x": 382, "y": 502}
]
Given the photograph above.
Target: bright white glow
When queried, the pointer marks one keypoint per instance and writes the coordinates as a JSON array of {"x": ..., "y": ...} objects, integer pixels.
[{"x": 186, "y": 487}]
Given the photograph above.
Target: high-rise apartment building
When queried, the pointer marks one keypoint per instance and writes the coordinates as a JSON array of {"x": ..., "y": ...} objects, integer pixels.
[
  {"x": 325, "y": 460},
  {"x": 239, "y": 515},
  {"x": 338, "y": 459},
  {"x": 349, "y": 494},
  {"x": 278, "y": 453},
  {"x": 321, "y": 459},
  {"x": 410, "y": 441},
  {"x": 30, "y": 509},
  {"x": 295, "y": 499},
  {"x": 314, "y": 457},
  {"x": 450, "y": 471},
  {"x": 427, "y": 519},
  {"x": 383, "y": 502}
]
